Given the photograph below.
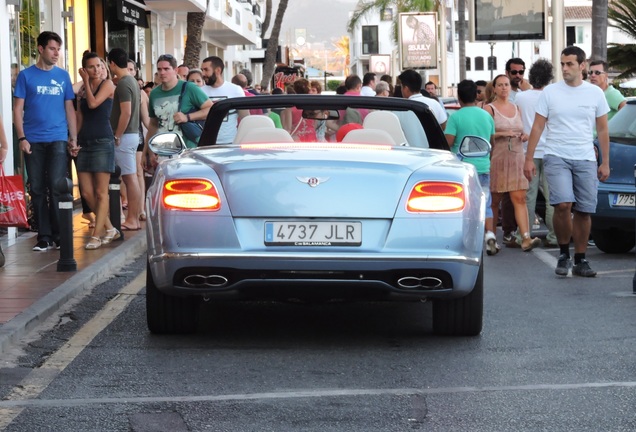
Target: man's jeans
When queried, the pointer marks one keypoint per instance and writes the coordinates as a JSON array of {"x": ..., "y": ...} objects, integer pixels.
[{"x": 46, "y": 166}]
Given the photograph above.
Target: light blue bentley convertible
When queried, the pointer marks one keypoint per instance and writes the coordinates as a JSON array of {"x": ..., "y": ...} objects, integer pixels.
[{"x": 382, "y": 212}]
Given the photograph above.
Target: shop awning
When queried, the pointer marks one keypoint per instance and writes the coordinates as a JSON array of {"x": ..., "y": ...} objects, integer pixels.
[{"x": 132, "y": 12}]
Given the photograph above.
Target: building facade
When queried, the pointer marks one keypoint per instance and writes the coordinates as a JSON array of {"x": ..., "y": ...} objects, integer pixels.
[
  {"x": 373, "y": 36},
  {"x": 145, "y": 29}
]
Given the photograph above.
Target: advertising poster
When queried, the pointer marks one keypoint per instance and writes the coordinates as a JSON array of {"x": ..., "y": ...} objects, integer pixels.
[
  {"x": 380, "y": 64},
  {"x": 418, "y": 40}
]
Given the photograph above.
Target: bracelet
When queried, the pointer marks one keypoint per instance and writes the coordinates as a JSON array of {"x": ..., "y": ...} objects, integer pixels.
[
  {"x": 188, "y": 117},
  {"x": 21, "y": 139}
]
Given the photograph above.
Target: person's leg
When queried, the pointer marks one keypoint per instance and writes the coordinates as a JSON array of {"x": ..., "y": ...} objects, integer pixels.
[
  {"x": 551, "y": 238},
  {"x": 508, "y": 223},
  {"x": 518, "y": 199},
  {"x": 586, "y": 194},
  {"x": 496, "y": 200},
  {"x": 559, "y": 177},
  {"x": 36, "y": 172},
  {"x": 489, "y": 236},
  {"x": 102, "y": 221},
  {"x": 532, "y": 192},
  {"x": 142, "y": 185},
  {"x": 125, "y": 158},
  {"x": 57, "y": 171}
]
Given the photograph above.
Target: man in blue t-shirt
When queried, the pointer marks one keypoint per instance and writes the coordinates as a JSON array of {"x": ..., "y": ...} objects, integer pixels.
[
  {"x": 473, "y": 120},
  {"x": 44, "y": 120}
]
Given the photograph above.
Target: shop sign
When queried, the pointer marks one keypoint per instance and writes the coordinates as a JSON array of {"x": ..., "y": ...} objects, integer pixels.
[{"x": 131, "y": 14}]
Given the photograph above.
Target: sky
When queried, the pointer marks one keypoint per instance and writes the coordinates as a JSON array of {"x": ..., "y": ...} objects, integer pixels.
[{"x": 324, "y": 20}]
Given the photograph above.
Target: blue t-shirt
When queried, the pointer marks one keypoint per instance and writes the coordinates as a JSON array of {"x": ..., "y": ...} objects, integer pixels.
[
  {"x": 44, "y": 94},
  {"x": 471, "y": 120}
]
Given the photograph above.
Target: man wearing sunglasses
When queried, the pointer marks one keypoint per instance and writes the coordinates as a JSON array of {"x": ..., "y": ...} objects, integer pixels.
[
  {"x": 598, "y": 76},
  {"x": 515, "y": 69}
]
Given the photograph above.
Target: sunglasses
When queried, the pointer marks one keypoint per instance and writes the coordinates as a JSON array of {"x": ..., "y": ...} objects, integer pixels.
[
  {"x": 596, "y": 72},
  {"x": 517, "y": 72}
]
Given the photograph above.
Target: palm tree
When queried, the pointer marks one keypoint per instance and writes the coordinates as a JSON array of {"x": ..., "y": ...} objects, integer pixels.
[
  {"x": 272, "y": 45},
  {"x": 599, "y": 29},
  {"x": 461, "y": 33},
  {"x": 341, "y": 48},
  {"x": 622, "y": 15},
  {"x": 196, "y": 21}
]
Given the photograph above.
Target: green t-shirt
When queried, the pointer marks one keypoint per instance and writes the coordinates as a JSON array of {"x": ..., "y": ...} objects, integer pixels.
[
  {"x": 614, "y": 99},
  {"x": 475, "y": 121},
  {"x": 164, "y": 105},
  {"x": 127, "y": 90}
]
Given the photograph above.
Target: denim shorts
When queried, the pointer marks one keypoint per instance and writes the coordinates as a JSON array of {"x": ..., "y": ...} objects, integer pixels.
[
  {"x": 484, "y": 181},
  {"x": 572, "y": 181}
]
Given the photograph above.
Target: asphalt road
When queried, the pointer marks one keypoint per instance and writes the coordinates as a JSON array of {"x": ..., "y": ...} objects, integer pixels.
[{"x": 556, "y": 354}]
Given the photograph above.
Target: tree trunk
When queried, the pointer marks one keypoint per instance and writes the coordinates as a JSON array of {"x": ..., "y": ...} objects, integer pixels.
[
  {"x": 268, "y": 18},
  {"x": 196, "y": 20},
  {"x": 599, "y": 30},
  {"x": 272, "y": 46},
  {"x": 461, "y": 30}
]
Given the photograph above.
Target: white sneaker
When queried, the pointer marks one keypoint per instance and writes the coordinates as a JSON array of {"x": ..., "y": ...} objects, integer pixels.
[{"x": 492, "y": 248}]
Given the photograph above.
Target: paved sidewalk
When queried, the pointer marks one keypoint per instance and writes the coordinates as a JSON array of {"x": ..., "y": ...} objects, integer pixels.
[{"x": 31, "y": 288}]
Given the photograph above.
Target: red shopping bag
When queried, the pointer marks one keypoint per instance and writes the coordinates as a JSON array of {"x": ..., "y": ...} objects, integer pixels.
[{"x": 13, "y": 209}]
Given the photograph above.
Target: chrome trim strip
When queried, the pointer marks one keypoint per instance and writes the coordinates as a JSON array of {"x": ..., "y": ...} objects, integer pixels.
[{"x": 305, "y": 256}]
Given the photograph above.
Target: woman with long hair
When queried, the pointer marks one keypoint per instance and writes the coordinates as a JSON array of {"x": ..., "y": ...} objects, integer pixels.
[
  {"x": 507, "y": 159},
  {"x": 96, "y": 156}
]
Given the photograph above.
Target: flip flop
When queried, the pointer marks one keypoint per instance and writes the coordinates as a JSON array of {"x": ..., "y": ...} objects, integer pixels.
[{"x": 127, "y": 228}]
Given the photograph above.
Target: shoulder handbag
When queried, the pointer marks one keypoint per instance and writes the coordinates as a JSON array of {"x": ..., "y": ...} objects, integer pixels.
[
  {"x": 192, "y": 129},
  {"x": 13, "y": 209}
]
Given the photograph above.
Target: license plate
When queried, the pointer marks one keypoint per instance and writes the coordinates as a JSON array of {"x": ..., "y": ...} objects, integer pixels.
[
  {"x": 313, "y": 233},
  {"x": 623, "y": 200}
]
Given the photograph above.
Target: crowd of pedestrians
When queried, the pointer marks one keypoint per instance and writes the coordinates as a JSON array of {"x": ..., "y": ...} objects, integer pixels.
[{"x": 541, "y": 135}]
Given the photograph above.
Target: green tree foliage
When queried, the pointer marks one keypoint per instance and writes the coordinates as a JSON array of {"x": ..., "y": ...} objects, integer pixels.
[
  {"x": 622, "y": 15},
  {"x": 29, "y": 31}
]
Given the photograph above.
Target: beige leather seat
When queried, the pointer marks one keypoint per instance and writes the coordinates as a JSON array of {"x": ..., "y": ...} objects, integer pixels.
[
  {"x": 250, "y": 122},
  {"x": 388, "y": 122},
  {"x": 369, "y": 136},
  {"x": 266, "y": 135}
]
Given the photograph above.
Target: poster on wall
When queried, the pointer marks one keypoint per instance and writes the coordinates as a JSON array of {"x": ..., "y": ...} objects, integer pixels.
[
  {"x": 418, "y": 40},
  {"x": 380, "y": 64}
]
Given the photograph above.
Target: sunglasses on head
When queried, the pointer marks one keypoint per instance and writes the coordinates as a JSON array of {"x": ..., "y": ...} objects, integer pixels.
[
  {"x": 596, "y": 72},
  {"x": 517, "y": 72}
]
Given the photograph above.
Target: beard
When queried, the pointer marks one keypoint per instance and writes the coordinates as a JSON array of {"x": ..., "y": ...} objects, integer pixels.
[{"x": 211, "y": 80}]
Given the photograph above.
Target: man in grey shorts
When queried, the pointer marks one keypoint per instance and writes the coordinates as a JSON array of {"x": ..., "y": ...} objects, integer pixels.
[{"x": 571, "y": 108}]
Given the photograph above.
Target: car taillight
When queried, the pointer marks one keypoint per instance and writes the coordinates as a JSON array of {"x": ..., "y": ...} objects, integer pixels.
[
  {"x": 436, "y": 197},
  {"x": 191, "y": 194}
]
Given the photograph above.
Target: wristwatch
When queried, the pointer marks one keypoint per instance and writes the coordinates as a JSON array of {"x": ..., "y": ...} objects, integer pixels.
[
  {"x": 117, "y": 139},
  {"x": 21, "y": 139},
  {"x": 188, "y": 117}
]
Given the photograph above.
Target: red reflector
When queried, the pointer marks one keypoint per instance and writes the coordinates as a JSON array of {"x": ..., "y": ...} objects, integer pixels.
[
  {"x": 191, "y": 194},
  {"x": 430, "y": 197}
]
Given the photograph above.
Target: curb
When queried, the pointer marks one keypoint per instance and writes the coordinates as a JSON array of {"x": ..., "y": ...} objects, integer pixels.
[{"x": 87, "y": 278}]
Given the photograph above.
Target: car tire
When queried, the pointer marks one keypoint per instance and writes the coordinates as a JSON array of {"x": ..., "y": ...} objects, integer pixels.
[
  {"x": 166, "y": 314},
  {"x": 613, "y": 241},
  {"x": 461, "y": 316}
]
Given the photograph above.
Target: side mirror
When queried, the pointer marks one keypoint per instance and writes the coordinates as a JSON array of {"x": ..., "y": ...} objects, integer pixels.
[
  {"x": 473, "y": 146},
  {"x": 167, "y": 144}
]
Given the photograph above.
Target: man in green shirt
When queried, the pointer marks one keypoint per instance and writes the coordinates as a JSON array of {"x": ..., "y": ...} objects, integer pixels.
[
  {"x": 598, "y": 76},
  {"x": 473, "y": 120}
]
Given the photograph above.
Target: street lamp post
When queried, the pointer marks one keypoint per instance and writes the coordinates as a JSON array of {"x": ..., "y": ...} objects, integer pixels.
[{"x": 492, "y": 69}]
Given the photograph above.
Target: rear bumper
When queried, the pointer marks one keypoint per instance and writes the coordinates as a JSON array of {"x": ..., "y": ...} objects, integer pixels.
[
  {"x": 608, "y": 216},
  {"x": 283, "y": 275}
]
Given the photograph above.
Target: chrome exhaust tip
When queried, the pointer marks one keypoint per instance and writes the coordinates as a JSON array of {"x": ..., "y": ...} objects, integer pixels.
[
  {"x": 425, "y": 283},
  {"x": 210, "y": 281}
]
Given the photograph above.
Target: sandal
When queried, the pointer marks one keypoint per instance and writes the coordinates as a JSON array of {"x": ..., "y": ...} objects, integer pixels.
[
  {"x": 93, "y": 243},
  {"x": 111, "y": 234},
  {"x": 528, "y": 243}
]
